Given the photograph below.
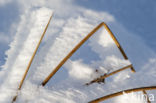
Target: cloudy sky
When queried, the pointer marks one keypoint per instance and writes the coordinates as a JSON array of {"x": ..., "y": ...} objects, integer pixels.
[
  {"x": 22, "y": 22},
  {"x": 137, "y": 16}
]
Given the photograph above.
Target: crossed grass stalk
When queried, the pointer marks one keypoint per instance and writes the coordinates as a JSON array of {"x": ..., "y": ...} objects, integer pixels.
[
  {"x": 31, "y": 60},
  {"x": 98, "y": 100},
  {"x": 46, "y": 80}
]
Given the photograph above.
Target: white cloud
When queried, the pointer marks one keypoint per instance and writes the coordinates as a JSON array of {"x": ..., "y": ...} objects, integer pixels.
[
  {"x": 79, "y": 70},
  {"x": 131, "y": 98},
  {"x": 21, "y": 50}
]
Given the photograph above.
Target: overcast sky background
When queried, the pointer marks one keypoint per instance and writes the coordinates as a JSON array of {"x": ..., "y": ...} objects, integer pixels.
[{"x": 138, "y": 16}]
